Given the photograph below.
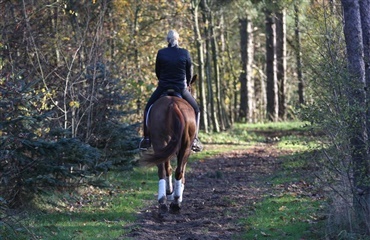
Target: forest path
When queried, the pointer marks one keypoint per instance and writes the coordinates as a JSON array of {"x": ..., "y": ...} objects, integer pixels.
[{"x": 218, "y": 192}]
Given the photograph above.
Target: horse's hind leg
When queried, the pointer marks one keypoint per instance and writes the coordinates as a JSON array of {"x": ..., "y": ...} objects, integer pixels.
[
  {"x": 162, "y": 199},
  {"x": 179, "y": 180},
  {"x": 177, "y": 195},
  {"x": 169, "y": 186}
]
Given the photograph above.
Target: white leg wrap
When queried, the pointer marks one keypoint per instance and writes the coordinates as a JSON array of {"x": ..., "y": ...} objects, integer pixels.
[
  {"x": 161, "y": 189},
  {"x": 179, "y": 189}
]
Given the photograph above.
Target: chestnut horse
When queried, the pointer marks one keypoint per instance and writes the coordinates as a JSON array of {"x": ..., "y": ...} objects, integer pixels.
[{"x": 172, "y": 126}]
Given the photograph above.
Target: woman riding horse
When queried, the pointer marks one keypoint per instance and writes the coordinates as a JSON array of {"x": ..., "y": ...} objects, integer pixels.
[{"x": 174, "y": 71}]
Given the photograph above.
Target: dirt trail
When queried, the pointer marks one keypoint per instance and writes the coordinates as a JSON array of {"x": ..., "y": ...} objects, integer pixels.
[{"x": 218, "y": 192}]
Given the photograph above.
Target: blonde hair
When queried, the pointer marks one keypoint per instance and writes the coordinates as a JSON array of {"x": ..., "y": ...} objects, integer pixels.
[{"x": 173, "y": 38}]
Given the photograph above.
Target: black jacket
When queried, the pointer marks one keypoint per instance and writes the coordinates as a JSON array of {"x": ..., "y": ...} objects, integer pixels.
[{"x": 173, "y": 67}]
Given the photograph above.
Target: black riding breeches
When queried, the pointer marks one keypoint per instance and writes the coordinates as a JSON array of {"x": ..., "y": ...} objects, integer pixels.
[
  {"x": 185, "y": 94},
  {"x": 191, "y": 100}
]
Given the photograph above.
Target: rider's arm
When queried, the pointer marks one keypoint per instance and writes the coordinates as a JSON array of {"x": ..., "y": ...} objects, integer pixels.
[{"x": 157, "y": 67}]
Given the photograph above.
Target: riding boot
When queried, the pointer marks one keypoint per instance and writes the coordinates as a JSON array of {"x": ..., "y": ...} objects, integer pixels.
[
  {"x": 197, "y": 145},
  {"x": 145, "y": 141}
]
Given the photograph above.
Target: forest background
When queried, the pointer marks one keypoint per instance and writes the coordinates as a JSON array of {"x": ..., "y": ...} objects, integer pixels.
[{"x": 75, "y": 77}]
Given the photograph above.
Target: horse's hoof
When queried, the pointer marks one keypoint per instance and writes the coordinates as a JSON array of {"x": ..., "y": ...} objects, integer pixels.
[
  {"x": 175, "y": 207},
  {"x": 163, "y": 209}
]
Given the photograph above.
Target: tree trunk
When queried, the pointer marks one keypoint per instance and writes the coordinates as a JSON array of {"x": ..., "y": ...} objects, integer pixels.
[
  {"x": 224, "y": 84},
  {"x": 365, "y": 24},
  {"x": 271, "y": 86},
  {"x": 206, "y": 12},
  {"x": 216, "y": 77},
  {"x": 201, "y": 74},
  {"x": 247, "y": 99},
  {"x": 251, "y": 102},
  {"x": 260, "y": 96},
  {"x": 281, "y": 61},
  {"x": 233, "y": 84},
  {"x": 356, "y": 68},
  {"x": 243, "y": 73},
  {"x": 297, "y": 32}
]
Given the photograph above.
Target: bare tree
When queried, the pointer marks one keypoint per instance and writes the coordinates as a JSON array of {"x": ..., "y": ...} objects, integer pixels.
[
  {"x": 224, "y": 93},
  {"x": 206, "y": 13},
  {"x": 281, "y": 60},
  {"x": 247, "y": 100},
  {"x": 297, "y": 33},
  {"x": 243, "y": 73},
  {"x": 200, "y": 62},
  {"x": 272, "y": 86}
]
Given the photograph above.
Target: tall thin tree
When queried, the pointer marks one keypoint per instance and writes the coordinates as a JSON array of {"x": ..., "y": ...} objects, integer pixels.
[
  {"x": 243, "y": 73},
  {"x": 281, "y": 60},
  {"x": 272, "y": 86},
  {"x": 297, "y": 34},
  {"x": 356, "y": 94},
  {"x": 200, "y": 61}
]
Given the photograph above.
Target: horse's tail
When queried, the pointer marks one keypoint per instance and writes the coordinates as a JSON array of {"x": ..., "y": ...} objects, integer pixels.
[{"x": 166, "y": 153}]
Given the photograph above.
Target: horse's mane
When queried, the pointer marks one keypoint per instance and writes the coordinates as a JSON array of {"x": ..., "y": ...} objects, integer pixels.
[{"x": 176, "y": 125}]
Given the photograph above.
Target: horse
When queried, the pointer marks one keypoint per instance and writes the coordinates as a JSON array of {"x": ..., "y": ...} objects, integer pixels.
[{"x": 172, "y": 126}]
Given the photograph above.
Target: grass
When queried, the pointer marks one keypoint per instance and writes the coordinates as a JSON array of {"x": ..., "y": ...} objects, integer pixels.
[
  {"x": 107, "y": 212},
  {"x": 92, "y": 212},
  {"x": 293, "y": 209},
  {"x": 290, "y": 211},
  {"x": 283, "y": 217}
]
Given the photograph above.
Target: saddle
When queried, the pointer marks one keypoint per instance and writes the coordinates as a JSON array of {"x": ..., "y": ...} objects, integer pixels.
[
  {"x": 172, "y": 92},
  {"x": 175, "y": 92}
]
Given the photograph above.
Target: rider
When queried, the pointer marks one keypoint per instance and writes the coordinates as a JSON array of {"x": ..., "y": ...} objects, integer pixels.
[{"x": 173, "y": 68}]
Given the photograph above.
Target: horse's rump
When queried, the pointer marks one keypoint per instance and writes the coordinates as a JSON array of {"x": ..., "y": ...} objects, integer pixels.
[{"x": 172, "y": 127}]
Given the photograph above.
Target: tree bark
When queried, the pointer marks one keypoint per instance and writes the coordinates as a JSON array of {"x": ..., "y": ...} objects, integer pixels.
[
  {"x": 356, "y": 68},
  {"x": 251, "y": 102},
  {"x": 216, "y": 77},
  {"x": 226, "y": 114},
  {"x": 206, "y": 12},
  {"x": 247, "y": 99},
  {"x": 243, "y": 73},
  {"x": 201, "y": 74},
  {"x": 365, "y": 25},
  {"x": 297, "y": 33},
  {"x": 281, "y": 61},
  {"x": 271, "y": 86}
]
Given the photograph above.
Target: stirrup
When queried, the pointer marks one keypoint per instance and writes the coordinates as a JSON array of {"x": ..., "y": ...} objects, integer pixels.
[
  {"x": 144, "y": 144},
  {"x": 197, "y": 145}
]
